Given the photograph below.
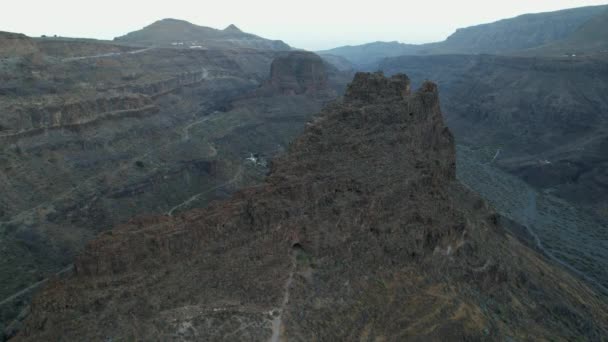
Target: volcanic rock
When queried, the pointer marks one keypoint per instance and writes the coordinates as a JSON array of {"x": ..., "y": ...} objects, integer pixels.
[
  {"x": 360, "y": 232},
  {"x": 298, "y": 72}
]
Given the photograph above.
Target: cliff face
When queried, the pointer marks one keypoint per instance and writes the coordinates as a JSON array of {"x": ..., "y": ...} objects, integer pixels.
[
  {"x": 360, "y": 232},
  {"x": 297, "y": 73}
]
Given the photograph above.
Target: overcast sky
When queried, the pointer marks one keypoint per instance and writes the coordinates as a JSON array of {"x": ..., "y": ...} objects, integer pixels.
[{"x": 309, "y": 24}]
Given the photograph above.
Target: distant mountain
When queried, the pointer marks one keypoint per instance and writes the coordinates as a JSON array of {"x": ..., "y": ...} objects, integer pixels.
[
  {"x": 590, "y": 38},
  {"x": 180, "y": 33},
  {"x": 372, "y": 52},
  {"x": 571, "y": 27},
  {"x": 522, "y": 32}
]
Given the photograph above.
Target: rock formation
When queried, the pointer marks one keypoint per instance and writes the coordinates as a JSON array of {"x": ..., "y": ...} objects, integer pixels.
[
  {"x": 360, "y": 232},
  {"x": 298, "y": 72}
]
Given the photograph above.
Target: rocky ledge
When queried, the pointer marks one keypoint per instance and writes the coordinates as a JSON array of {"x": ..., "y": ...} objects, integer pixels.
[{"x": 360, "y": 232}]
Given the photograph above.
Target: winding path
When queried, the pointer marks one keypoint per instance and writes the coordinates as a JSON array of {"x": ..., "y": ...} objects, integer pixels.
[
  {"x": 277, "y": 322},
  {"x": 33, "y": 287},
  {"x": 193, "y": 198},
  {"x": 110, "y": 54},
  {"x": 495, "y": 156},
  {"x": 530, "y": 212}
]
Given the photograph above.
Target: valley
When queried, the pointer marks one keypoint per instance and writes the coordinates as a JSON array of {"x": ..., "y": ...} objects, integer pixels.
[{"x": 182, "y": 182}]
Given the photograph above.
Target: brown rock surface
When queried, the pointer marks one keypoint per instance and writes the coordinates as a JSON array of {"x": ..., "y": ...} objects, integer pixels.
[{"x": 360, "y": 232}]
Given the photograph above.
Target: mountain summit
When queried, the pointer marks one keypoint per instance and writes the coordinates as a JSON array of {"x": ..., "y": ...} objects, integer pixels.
[
  {"x": 232, "y": 28},
  {"x": 180, "y": 33},
  {"x": 360, "y": 232}
]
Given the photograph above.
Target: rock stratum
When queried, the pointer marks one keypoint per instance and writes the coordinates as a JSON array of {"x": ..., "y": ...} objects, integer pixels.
[{"x": 360, "y": 232}]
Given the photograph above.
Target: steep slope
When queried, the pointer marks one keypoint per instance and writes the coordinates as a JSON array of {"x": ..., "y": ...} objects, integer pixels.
[
  {"x": 571, "y": 30},
  {"x": 180, "y": 33},
  {"x": 359, "y": 232}
]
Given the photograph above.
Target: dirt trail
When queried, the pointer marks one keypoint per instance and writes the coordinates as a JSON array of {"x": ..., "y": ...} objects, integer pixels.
[
  {"x": 277, "y": 322},
  {"x": 33, "y": 286},
  {"x": 531, "y": 214},
  {"x": 193, "y": 198}
]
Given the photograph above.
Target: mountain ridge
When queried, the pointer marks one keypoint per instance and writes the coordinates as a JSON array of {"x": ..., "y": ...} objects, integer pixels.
[{"x": 525, "y": 34}]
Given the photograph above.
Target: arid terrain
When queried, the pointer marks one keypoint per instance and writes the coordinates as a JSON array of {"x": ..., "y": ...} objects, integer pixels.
[{"x": 182, "y": 182}]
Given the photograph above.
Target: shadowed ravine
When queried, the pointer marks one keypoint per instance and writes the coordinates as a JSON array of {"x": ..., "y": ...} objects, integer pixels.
[{"x": 553, "y": 227}]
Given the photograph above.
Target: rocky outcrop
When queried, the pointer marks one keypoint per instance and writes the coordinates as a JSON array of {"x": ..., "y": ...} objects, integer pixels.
[
  {"x": 359, "y": 232},
  {"x": 16, "y": 45},
  {"x": 297, "y": 73},
  {"x": 366, "y": 88}
]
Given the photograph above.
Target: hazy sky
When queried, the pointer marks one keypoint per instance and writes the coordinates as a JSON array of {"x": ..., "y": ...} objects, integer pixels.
[{"x": 309, "y": 24}]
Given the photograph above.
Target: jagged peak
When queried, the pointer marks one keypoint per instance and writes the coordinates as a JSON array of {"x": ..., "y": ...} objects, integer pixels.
[
  {"x": 233, "y": 28},
  {"x": 370, "y": 87}
]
